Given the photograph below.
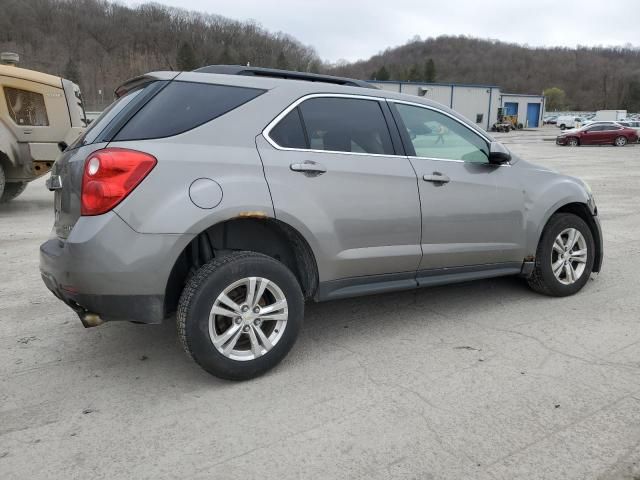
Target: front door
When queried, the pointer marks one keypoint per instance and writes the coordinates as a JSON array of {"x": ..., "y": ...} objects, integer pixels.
[
  {"x": 335, "y": 175},
  {"x": 471, "y": 217}
]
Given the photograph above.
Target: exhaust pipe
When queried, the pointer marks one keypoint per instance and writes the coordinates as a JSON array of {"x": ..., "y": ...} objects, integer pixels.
[{"x": 89, "y": 319}]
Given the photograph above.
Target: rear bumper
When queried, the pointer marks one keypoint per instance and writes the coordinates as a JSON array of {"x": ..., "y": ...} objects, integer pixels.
[{"x": 108, "y": 269}]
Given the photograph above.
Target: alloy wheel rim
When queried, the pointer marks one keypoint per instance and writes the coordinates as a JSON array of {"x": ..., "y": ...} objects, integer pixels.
[
  {"x": 569, "y": 256},
  {"x": 620, "y": 141},
  {"x": 248, "y": 318}
]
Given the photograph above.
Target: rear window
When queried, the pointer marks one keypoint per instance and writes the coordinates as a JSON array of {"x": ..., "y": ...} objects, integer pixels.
[
  {"x": 103, "y": 128},
  {"x": 26, "y": 108},
  {"x": 182, "y": 106}
]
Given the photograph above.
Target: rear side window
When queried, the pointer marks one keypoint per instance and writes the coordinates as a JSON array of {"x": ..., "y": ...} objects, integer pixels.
[
  {"x": 289, "y": 132},
  {"x": 346, "y": 125},
  {"x": 182, "y": 106},
  {"x": 26, "y": 108}
]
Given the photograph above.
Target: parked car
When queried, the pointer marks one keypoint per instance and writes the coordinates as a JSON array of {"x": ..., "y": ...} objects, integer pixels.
[
  {"x": 569, "y": 121},
  {"x": 630, "y": 123},
  {"x": 598, "y": 134},
  {"x": 551, "y": 120},
  {"x": 232, "y": 195}
]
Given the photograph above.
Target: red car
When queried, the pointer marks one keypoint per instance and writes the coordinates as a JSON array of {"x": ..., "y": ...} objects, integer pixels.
[{"x": 599, "y": 134}]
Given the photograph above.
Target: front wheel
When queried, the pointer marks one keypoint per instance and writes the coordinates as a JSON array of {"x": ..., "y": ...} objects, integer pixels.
[
  {"x": 620, "y": 141},
  {"x": 564, "y": 258},
  {"x": 12, "y": 190},
  {"x": 239, "y": 315},
  {"x": 573, "y": 142}
]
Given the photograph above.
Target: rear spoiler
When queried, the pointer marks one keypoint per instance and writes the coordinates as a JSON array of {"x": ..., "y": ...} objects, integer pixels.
[{"x": 137, "y": 82}]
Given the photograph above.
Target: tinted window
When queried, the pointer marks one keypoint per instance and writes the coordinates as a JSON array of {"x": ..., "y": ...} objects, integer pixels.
[
  {"x": 181, "y": 106},
  {"x": 435, "y": 135},
  {"x": 26, "y": 108},
  {"x": 289, "y": 132},
  {"x": 346, "y": 125},
  {"x": 106, "y": 117}
]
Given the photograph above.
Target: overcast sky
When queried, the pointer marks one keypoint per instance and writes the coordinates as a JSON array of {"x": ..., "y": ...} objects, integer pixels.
[{"x": 352, "y": 30}]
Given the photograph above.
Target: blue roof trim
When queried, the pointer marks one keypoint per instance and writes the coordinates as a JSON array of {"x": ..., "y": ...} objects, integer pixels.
[{"x": 405, "y": 82}]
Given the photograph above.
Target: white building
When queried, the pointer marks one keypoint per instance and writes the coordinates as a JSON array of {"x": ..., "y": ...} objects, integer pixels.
[{"x": 479, "y": 103}]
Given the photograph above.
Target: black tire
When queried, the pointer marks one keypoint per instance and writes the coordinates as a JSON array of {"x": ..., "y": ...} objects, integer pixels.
[
  {"x": 542, "y": 279},
  {"x": 620, "y": 141},
  {"x": 2, "y": 181},
  {"x": 573, "y": 142},
  {"x": 12, "y": 190},
  {"x": 563, "y": 126},
  {"x": 198, "y": 298}
]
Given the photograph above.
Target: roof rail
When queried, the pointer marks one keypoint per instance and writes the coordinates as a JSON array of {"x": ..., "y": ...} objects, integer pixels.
[{"x": 275, "y": 73}]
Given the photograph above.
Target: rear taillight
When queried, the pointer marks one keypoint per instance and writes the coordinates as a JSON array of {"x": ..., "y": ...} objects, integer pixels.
[{"x": 110, "y": 175}]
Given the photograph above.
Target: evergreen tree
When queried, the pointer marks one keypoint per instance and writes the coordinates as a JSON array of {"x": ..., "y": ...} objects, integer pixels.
[
  {"x": 186, "y": 58},
  {"x": 383, "y": 74},
  {"x": 413, "y": 74},
  {"x": 430, "y": 71}
]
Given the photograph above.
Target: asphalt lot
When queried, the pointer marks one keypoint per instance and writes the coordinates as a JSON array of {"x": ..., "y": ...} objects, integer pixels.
[{"x": 481, "y": 380}]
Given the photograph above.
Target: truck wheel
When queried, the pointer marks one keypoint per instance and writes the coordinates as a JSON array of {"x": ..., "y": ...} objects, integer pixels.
[
  {"x": 239, "y": 315},
  {"x": 12, "y": 190},
  {"x": 563, "y": 126},
  {"x": 564, "y": 258}
]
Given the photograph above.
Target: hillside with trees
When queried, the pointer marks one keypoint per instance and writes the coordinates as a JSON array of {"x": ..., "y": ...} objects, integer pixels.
[
  {"x": 100, "y": 44},
  {"x": 592, "y": 78}
]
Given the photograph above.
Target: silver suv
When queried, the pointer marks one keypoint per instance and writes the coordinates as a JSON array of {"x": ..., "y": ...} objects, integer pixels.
[{"x": 232, "y": 195}]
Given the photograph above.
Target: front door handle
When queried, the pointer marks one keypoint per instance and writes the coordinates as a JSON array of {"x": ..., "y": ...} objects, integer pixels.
[
  {"x": 309, "y": 168},
  {"x": 436, "y": 177}
]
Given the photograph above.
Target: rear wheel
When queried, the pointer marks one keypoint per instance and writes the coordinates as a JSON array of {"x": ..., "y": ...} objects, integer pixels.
[
  {"x": 620, "y": 141},
  {"x": 573, "y": 142},
  {"x": 239, "y": 315},
  {"x": 12, "y": 190},
  {"x": 564, "y": 258},
  {"x": 563, "y": 126}
]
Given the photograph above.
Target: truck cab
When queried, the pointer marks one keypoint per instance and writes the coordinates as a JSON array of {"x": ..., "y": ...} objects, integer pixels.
[{"x": 38, "y": 112}]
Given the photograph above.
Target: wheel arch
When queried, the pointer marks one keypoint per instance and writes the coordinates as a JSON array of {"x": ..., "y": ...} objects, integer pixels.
[
  {"x": 265, "y": 235},
  {"x": 583, "y": 211}
]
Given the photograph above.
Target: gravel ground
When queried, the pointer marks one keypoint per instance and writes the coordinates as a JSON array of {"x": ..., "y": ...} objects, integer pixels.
[{"x": 481, "y": 380}]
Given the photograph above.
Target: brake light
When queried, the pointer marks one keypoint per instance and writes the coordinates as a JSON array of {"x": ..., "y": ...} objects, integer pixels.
[{"x": 110, "y": 175}]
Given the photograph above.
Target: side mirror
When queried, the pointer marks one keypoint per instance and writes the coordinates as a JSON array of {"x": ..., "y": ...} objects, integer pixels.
[{"x": 498, "y": 154}]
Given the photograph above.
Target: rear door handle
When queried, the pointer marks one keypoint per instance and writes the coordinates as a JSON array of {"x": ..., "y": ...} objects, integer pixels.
[
  {"x": 436, "y": 177},
  {"x": 309, "y": 168}
]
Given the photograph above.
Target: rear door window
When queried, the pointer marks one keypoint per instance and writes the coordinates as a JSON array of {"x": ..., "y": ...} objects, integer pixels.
[
  {"x": 346, "y": 125},
  {"x": 182, "y": 106}
]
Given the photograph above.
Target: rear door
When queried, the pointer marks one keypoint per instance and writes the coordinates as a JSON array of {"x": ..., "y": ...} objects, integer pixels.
[
  {"x": 472, "y": 214},
  {"x": 337, "y": 175}
]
